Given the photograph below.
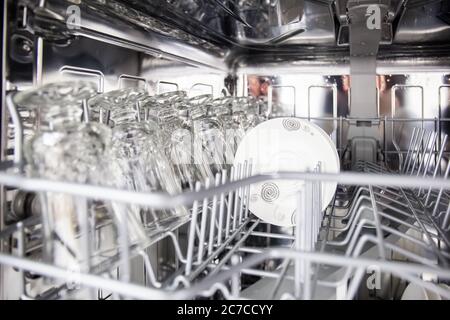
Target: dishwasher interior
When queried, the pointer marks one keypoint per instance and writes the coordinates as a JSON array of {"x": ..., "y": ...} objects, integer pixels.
[{"x": 373, "y": 75}]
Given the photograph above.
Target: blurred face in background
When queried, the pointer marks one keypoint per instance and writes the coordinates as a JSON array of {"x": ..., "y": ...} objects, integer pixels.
[
  {"x": 265, "y": 88},
  {"x": 381, "y": 83},
  {"x": 254, "y": 87},
  {"x": 258, "y": 87},
  {"x": 346, "y": 83}
]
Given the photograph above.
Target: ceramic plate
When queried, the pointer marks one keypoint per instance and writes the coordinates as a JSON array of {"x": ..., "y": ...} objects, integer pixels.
[{"x": 286, "y": 145}]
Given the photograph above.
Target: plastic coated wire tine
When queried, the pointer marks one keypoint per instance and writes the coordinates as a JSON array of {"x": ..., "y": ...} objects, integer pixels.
[
  {"x": 424, "y": 229},
  {"x": 313, "y": 207},
  {"x": 213, "y": 217},
  {"x": 411, "y": 141},
  {"x": 319, "y": 204},
  {"x": 100, "y": 115},
  {"x": 446, "y": 220},
  {"x": 149, "y": 272},
  {"x": 18, "y": 130},
  {"x": 138, "y": 111},
  {"x": 319, "y": 211},
  {"x": 413, "y": 149},
  {"x": 21, "y": 252},
  {"x": 83, "y": 216},
  {"x": 419, "y": 154},
  {"x": 85, "y": 111},
  {"x": 192, "y": 230},
  {"x": 242, "y": 193},
  {"x": 430, "y": 156},
  {"x": 221, "y": 209},
  {"x": 380, "y": 237},
  {"x": 355, "y": 283},
  {"x": 416, "y": 152},
  {"x": 309, "y": 220},
  {"x": 235, "y": 286},
  {"x": 125, "y": 249},
  {"x": 303, "y": 234},
  {"x": 236, "y": 197},
  {"x": 320, "y": 195},
  {"x": 441, "y": 190},
  {"x": 247, "y": 199},
  {"x": 284, "y": 267},
  {"x": 299, "y": 238},
  {"x": 229, "y": 205},
  {"x": 201, "y": 242},
  {"x": 307, "y": 281},
  {"x": 314, "y": 211},
  {"x": 425, "y": 148},
  {"x": 436, "y": 169},
  {"x": 146, "y": 114}
]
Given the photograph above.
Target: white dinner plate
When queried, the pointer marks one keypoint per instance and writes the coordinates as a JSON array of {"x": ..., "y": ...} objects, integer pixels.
[
  {"x": 286, "y": 145},
  {"x": 416, "y": 292}
]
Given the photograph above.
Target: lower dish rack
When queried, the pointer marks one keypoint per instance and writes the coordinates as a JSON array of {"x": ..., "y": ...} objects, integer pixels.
[{"x": 382, "y": 231}]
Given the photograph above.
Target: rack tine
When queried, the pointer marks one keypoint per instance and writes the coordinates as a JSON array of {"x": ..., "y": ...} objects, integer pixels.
[
  {"x": 236, "y": 197},
  {"x": 441, "y": 190},
  {"x": 247, "y": 199},
  {"x": 149, "y": 269},
  {"x": 85, "y": 111},
  {"x": 138, "y": 111},
  {"x": 242, "y": 194},
  {"x": 436, "y": 169},
  {"x": 276, "y": 287},
  {"x": 419, "y": 136},
  {"x": 320, "y": 194},
  {"x": 86, "y": 237},
  {"x": 420, "y": 152},
  {"x": 192, "y": 230},
  {"x": 377, "y": 220},
  {"x": 230, "y": 203},
  {"x": 318, "y": 206},
  {"x": 411, "y": 143},
  {"x": 221, "y": 209},
  {"x": 354, "y": 283},
  {"x": 124, "y": 245},
  {"x": 422, "y": 160},
  {"x": 213, "y": 217},
  {"x": 416, "y": 152},
  {"x": 100, "y": 115},
  {"x": 18, "y": 131},
  {"x": 235, "y": 281},
  {"x": 430, "y": 156},
  {"x": 201, "y": 244},
  {"x": 446, "y": 220},
  {"x": 21, "y": 248}
]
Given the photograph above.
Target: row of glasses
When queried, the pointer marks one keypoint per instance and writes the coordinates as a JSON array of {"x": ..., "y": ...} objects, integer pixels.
[
  {"x": 175, "y": 113},
  {"x": 52, "y": 126},
  {"x": 128, "y": 140},
  {"x": 75, "y": 153},
  {"x": 203, "y": 135},
  {"x": 117, "y": 106},
  {"x": 53, "y": 104},
  {"x": 137, "y": 158}
]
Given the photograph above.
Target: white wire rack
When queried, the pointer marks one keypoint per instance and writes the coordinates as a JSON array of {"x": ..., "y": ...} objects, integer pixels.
[{"x": 396, "y": 224}]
